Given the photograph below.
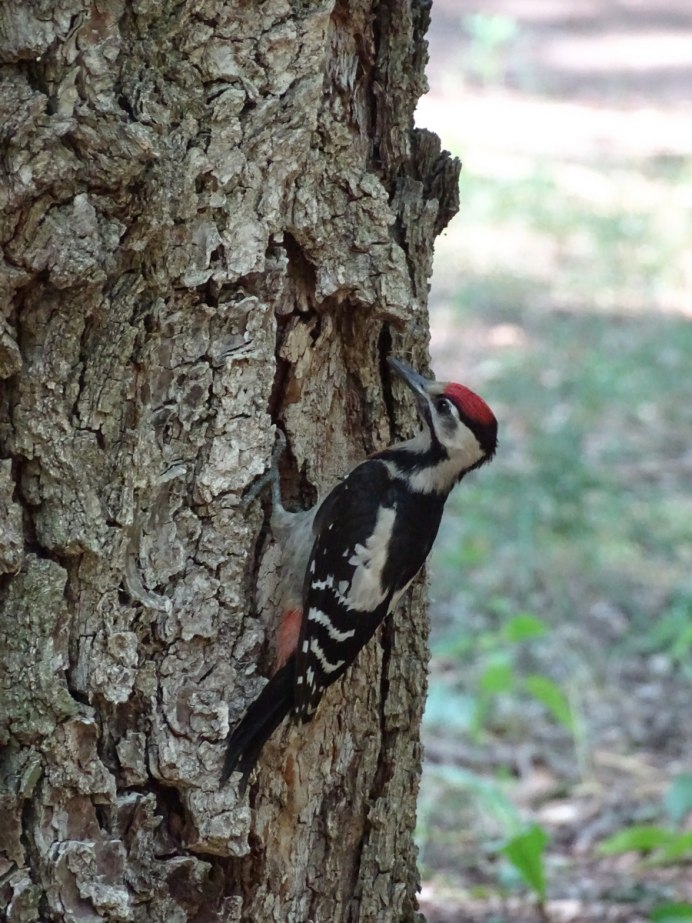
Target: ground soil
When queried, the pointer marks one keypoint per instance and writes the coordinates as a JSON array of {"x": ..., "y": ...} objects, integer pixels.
[{"x": 585, "y": 79}]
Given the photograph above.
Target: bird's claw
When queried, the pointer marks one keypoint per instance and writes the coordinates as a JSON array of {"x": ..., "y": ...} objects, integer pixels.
[{"x": 271, "y": 475}]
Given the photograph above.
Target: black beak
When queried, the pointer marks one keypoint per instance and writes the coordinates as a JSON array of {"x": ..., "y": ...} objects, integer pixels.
[{"x": 416, "y": 382}]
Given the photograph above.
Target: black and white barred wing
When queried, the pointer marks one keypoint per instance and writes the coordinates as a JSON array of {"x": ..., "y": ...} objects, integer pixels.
[{"x": 345, "y": 598}]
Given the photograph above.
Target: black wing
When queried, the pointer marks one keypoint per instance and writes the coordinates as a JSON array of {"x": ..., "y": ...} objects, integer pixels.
[
  {"x": 333, "y": 629},
  {"x": 371, "y": 539}
]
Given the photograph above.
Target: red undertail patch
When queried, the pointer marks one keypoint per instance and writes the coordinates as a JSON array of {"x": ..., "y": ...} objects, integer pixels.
[{"x": 287, "y": 636}]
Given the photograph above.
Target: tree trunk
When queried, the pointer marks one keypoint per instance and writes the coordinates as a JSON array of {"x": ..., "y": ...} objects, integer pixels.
[{"x": 215, "y": 217}]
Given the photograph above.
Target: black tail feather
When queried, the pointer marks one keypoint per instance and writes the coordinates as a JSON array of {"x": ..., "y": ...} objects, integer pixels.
[{"x": 259, "y": 722}]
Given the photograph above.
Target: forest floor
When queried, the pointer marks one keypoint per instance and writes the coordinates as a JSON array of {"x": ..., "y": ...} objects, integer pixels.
[{"x": 560, "y": 703}]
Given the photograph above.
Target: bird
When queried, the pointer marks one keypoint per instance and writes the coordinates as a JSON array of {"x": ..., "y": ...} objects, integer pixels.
[{"x": 347, "y": 562}]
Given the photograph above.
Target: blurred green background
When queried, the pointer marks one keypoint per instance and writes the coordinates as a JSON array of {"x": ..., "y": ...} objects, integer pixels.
[{"x": 559, "y": 715}]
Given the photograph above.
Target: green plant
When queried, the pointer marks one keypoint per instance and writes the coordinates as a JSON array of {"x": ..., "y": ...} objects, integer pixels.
[
  {"x": 496, "y": 654},
  {"x": 521, "y": 845},
  {"x": 671, "y": 913},
  {"x": 660, "y": 844},
  {"x": 525, "y": 851}
]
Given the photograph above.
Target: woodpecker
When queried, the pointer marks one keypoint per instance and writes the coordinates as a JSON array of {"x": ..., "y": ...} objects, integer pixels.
[{"x": 348, "y": 561}]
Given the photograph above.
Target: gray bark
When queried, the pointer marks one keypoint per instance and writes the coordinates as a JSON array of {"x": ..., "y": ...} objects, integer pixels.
[{"x": 215, "y": 217}]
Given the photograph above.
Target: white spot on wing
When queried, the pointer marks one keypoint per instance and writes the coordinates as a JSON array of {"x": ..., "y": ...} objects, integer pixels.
[
  {"x": 327, "y": 665},
  {"x": 326, "y": 584},
  {"x": 366, "y": 591},
  {"x": 316, "y": 615},
  {"x": 340, "y": 593}
]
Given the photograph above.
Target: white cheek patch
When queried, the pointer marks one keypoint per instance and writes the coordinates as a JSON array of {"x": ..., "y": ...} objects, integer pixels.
[
  {"x": 465, "y": 444},
  {"x": 461, "y": 444}
]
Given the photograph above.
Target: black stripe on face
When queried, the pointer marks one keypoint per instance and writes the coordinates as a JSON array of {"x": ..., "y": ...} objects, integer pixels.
[
  {"x": 437, "y": 452},
  {"x": 411, "y": 462},
  {"x": 486, "y": 434}
]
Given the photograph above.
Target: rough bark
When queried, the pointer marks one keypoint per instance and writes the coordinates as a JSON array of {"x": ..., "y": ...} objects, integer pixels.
[{"x": 215, "y": 217}]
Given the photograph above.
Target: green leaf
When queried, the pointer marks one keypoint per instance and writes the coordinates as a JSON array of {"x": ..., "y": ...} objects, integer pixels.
[
  {"x": 552, "y": 697},
  {"x": 525, "y": 852},
  {"x": 671, "y": 913},
  {"x": 641, "y": 838},
  {"x": 667, "y": 845},
  {"x": 497, "y": 677},
  {"x": 678, "y": 799},
  {"x": 523, "y": 626},
  {"x": 679, "y": 846}
]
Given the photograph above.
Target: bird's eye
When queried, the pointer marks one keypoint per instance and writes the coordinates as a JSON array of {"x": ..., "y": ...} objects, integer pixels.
[{"x": 442, "y": 405}]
